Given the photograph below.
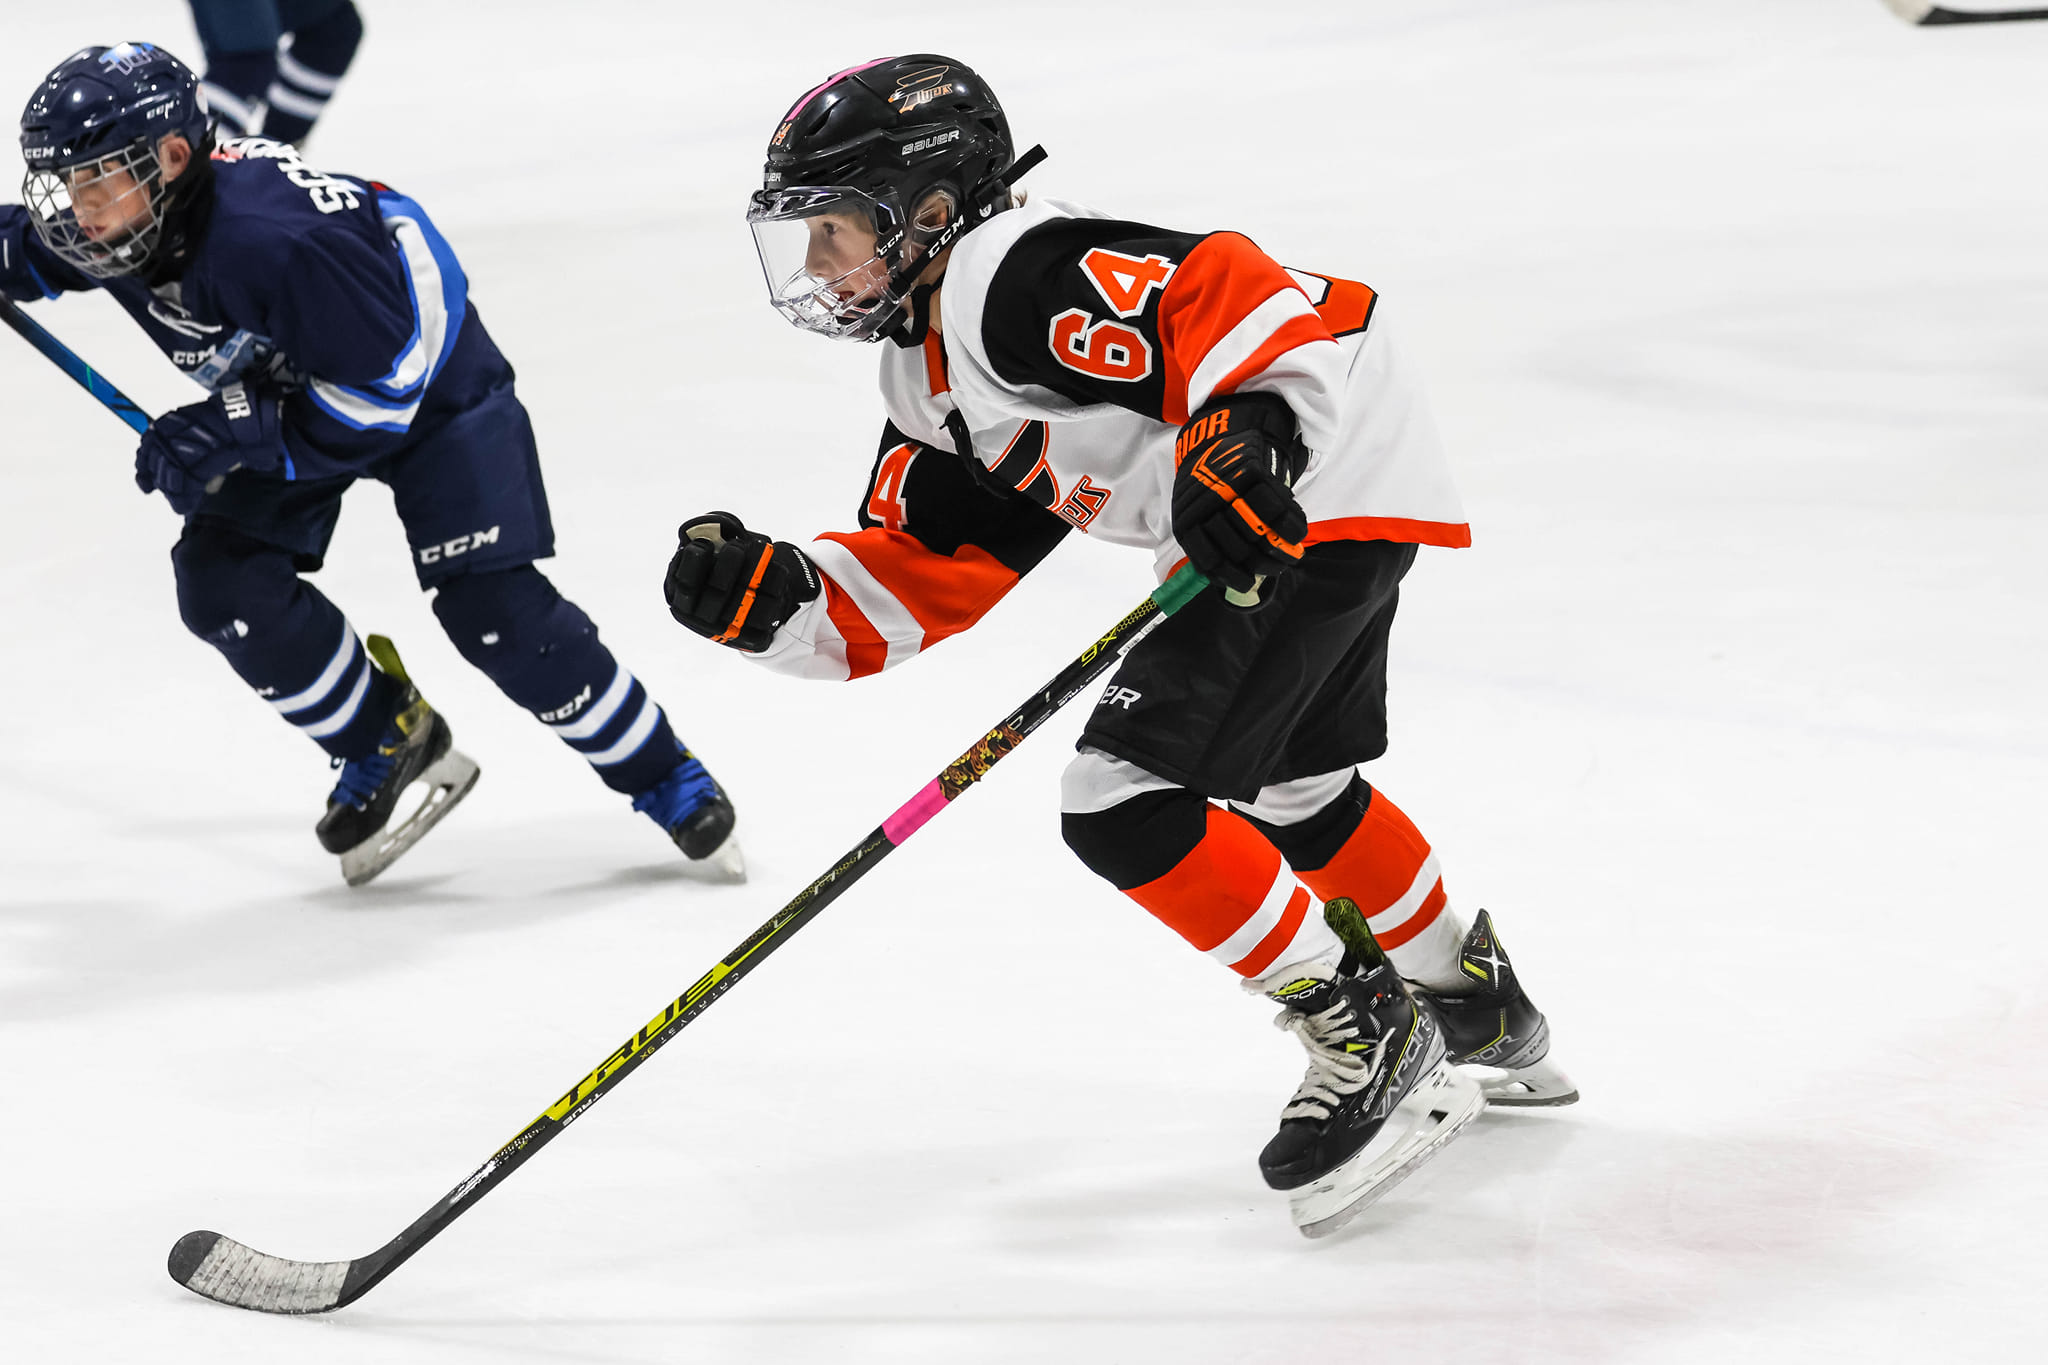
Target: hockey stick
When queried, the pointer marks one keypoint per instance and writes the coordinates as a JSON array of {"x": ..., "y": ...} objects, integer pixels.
[
  {"x": 89, "y": 379},
  {"x": 65, "y": 359},
  {"x": 1928, "y": 14},
  {"x": 224, "y": 1270}
]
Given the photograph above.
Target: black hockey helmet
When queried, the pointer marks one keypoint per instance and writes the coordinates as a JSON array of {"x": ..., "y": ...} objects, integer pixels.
[
  {"x": 100, "y": 114},
  {"x": 887, "y": 144}
]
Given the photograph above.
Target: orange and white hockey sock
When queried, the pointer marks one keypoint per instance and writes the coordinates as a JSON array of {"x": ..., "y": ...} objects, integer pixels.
[
  {"x": 1206, "y": 872},
  {"x": 1236, "y": 899},
  {"x": 1387, "y": 867}
]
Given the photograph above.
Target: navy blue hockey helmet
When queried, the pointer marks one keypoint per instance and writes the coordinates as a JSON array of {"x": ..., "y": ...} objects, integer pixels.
[
  {"x": 912, "y": 150},
  {"x": 90, "y": 134}
]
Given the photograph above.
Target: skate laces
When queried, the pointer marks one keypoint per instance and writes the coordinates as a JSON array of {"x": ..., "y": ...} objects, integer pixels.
[
  {"x": 360, "y": 778},
  {"x": 672, "y": 799},
  {"x": 1341, "y": 1060}
]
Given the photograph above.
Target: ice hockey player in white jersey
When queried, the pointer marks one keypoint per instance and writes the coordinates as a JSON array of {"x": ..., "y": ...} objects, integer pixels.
[{"x": 1055, "y": 369}]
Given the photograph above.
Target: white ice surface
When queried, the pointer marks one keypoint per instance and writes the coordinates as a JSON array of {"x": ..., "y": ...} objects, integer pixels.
[{"x": 1736, "y": 318}]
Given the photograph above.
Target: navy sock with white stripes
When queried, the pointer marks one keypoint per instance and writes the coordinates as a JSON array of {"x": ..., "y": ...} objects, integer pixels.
[
  {"x": 543, "y": 653},
  {"x": 234, "y": 86},
  {"x": 310, "y": 66},
  {"x": 283, "y": 637}
]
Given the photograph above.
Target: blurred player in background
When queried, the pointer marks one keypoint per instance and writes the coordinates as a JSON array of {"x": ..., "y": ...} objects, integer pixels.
[
  {"x": 272, "y": 65},
  {"x": 1055, "y": 369},
  {"x": 332, "y": 324}
]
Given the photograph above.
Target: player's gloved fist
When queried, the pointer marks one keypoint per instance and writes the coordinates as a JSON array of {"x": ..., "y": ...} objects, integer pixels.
[
  {"x": 736, "y": 586},
  {"x": 186, "y": 452},
  {"x": 1233, "y": 509}
]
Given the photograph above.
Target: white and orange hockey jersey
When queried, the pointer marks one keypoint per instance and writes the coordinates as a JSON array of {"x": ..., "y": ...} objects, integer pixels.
[{"x": 1070, "y": 349}]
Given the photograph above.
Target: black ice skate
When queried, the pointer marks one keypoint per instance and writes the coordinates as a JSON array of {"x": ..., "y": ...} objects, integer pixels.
[
  {"x": 698, "y": 816},
  {"x": 417, "y": 746},
  {"x": 1497, "y": 1029},
  {"x": 1379, "y": 1098}
]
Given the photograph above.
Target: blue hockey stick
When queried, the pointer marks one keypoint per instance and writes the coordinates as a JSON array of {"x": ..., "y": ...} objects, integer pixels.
[{"x": 67, "y": 360}]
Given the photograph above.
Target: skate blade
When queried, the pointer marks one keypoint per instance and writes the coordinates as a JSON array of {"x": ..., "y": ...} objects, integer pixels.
[
  {"x": 1540, "y": 1085},
  {"x": 726, "y": 860},
  {"x": 1422, "y": 1125},
  {"x": 447, "y": 781}
]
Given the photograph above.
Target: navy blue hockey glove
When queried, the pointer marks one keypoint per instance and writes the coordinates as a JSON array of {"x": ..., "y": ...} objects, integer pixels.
[
  {"x": 734, "y": 586},
  {"x": 1234, "y": 512},
  {"x": 187, "y": 452}
]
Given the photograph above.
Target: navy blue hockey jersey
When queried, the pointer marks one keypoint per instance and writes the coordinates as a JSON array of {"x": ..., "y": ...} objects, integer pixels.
[{"x": 338, "y": 291}]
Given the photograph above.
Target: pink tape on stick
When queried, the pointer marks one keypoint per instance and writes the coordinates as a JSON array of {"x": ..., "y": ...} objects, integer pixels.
[{"x": 913, "y": 814}]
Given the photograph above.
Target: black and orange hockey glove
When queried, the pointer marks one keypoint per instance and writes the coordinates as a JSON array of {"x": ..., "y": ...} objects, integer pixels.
[
  {"x": 1234, "y": 512},
  {"x": 734, "y": 586}
]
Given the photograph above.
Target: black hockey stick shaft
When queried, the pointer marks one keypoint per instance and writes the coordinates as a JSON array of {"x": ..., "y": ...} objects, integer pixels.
[
  {"x": 1929, "y": 15},
  {"x": 222, "y": 1269},
  {"x": 67, "y": 360}
]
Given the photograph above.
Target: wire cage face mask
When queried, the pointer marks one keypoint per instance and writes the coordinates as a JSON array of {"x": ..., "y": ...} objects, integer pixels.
[
  {"x": 827, "y": 254},
  {"x": 101, "y": 217}
]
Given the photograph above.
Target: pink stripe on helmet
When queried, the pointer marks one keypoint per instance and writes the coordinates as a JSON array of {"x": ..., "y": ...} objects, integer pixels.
[{"x": 798, "y": 107}]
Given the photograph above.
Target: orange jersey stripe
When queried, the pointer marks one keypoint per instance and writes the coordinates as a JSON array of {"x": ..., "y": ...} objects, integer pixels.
[
  {"x": 1222, "y": 280},
  {"x": 944, "y": 593},
  {"x": 1448, "y": 534},
  {"x": 866, "y": 651}
]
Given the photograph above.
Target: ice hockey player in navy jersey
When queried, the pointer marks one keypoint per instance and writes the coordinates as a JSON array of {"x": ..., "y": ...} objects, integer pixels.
[
  {"x": 333, "y": 325},
  {"x": 1055, "y": 369}
]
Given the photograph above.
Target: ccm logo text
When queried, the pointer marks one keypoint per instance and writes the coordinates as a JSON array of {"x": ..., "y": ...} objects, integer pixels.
[{"x": 461, "y": 545}]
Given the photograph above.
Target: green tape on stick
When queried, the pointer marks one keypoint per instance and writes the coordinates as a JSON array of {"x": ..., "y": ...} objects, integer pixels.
[{"x": 1179, "y": 590}]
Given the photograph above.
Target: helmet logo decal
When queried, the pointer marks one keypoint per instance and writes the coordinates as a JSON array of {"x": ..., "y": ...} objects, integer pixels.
[
  {"x": 935, "y": 140},
  {"x": 918, "y": 87},
  {"x": 781, "y": 133},
  {"x": 913, "y": 98},
  {"x": 128, "y": 58}
]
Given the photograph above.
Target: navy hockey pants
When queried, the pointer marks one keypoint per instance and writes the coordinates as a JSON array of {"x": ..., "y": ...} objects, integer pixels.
[{"x": 475, "y": 513}]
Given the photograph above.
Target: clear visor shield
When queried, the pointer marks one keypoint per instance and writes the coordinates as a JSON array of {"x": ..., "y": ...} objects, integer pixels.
[
  {"x": 825, "y": 253},
  {"x": 101, "y": 217}
]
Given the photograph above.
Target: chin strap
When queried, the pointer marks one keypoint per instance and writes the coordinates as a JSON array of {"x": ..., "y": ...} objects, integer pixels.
[
  {"x": 914, "y": 319},
  {"x": 182, "y": 218},
  {"x": 910, "y": 324}
]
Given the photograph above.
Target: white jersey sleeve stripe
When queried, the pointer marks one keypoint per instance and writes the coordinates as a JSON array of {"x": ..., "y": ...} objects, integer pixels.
[
  {"x": 890, "y": 618},
  {"x": 1243, "y": 341},
  {"x": 807, "y": 646}
]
